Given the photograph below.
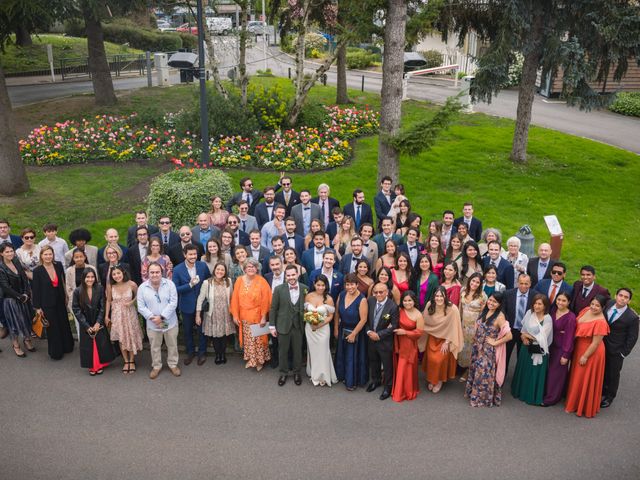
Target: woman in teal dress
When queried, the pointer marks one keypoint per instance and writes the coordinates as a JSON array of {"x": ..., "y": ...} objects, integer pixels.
[{"x": 533, "y": 360}]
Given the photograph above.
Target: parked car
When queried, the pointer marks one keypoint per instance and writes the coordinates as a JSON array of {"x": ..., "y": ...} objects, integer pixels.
[
  {"x": 185, "y": 28},
  {"x": 219, "y": 25},
  {"x": 257, "y": 27},
  {"x": 164, "y": 26}
]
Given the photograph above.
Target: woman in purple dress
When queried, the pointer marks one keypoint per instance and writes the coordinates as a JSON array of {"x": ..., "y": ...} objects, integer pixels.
[{"x": 564, "y": 327}]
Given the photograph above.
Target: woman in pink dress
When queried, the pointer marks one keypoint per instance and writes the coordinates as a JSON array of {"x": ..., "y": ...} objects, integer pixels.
[{"x": 217, "y": 215}]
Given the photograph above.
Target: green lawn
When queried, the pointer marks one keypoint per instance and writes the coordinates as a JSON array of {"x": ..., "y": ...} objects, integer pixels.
[
  {"x": 17, "y": 59},
  {"x": 588, "y": 185}
]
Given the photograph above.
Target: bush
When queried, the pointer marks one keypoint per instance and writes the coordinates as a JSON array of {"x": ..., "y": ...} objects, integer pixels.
[
  {"x": 626, "y": 103},
  {"x": 268, "y": 105},
  {"x": 288, "y": 43},
  {"x": 433, "y": 57},
  {"x": 188, "y": 41},
  {"x": 314, "y": 41},
  {"x": 515, "y": 70},
  {"x": 313, "y": 115},
  {"x": 313, "y": 53},
  {"x": 184, "y": 194},
  {"x": 359, "y": 59},
  {"x": 227, "y": 117}
]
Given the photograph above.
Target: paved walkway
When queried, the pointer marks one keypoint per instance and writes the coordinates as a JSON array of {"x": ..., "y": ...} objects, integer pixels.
[{"x": 222, "y": 422}]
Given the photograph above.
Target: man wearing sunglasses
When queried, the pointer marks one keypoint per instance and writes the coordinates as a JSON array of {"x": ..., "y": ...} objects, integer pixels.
[
  {"x": 176, "y": 252},
  {"x": 251, "y": 195},
  {"x": 167, "y": 236},
  {"x": 551, "y": 287},
  {"x": 288, "y": 196}
]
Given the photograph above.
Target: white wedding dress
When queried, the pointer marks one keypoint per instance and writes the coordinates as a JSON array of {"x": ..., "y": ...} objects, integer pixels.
[{"x": 319, "y": 361}]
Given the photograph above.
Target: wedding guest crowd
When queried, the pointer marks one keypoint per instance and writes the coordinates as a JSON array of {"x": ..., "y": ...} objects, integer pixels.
[{"x": 375, "y": 302}]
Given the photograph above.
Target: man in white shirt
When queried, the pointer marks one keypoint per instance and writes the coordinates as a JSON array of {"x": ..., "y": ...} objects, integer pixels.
[
  {"x": 60, "y": 247},
  {"x": 447, "y": 229},
  {"x": 157, "y": 302}
]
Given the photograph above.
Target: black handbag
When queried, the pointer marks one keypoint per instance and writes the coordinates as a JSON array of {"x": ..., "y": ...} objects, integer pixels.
[
  {"x": 205, "y": 303},
  {"x": 534, "y": 348}
]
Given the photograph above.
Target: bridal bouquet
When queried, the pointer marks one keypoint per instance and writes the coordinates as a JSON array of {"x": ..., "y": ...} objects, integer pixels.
[{"x": 314, "y": 318}]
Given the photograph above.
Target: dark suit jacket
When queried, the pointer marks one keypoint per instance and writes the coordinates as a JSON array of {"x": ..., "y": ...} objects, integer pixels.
[
  {"x": 331, "y": 230},
  {"x": 385, "y": 326},
  {"x": 262, "y": 214},
  {"x": 332, "y": 204},
  {"x": 294, "y": 199},
  {"x": 307, "y": 259},
  {"x": 176, "y": 255},
  {"x": 337, "y": 283},
  {"x": 544, "y": 285},
  {"x": 104, "y": 270},
  {"x": 244, "y": 238},
  {"x": 382, "y": 206},
  {"x": 345, "y": 263},
  {"x": 92, "y": 313},
  {"x": 16, "y": 241},
  {"x": 44, "y": 295},
  {"x": 505, "y": 271},
  {"x": 379, "y": 239},
  {"x": 256, "y": 196},
  {"x": 510, "y": 304},
  {"x": 13, "y": 285},
  {"x": 366, "y": 216},
  {"x": 405, "y": 248},
  {"x": 475, "y": 231},
  {"x": 187, "y": 296},
  {"x": 269, "y": 278},
  {"x": 135, "y": 264},
  {"x": 532, "y": 270},
  {"x": 299, "y": 242},
  {"x": 578, "y": 303},
  {"x": 623, "y": 333},
  {"x": 131, "y": 234},
  {"x": 284, "y": 315},
  {"x": 173, "y": 239}
]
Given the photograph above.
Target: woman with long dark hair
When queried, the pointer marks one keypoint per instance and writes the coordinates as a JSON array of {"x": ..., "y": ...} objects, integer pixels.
[
  {"x": 319, "y": 363},
  {"x": 405, "y": 349}
]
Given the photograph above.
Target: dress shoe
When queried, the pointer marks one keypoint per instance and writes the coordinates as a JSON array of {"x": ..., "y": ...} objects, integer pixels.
[
  {"x": 223, "y": 358},
  {"x": 385, "y": 394},
  {"x": 201, "y": 359},
  {"x": 297, "y": 379},
  {"x": 3, "y": 332},
  {"x": 176, "y": 371},
  {"x": 218, "y": 359},
  {"x": 372, "y": 386},
  {"x": 154, "y": 373},
  {"x": 282, "y": 380},
  {"x": 606, "y": 402},
  {"x": 189, "y": 359}
]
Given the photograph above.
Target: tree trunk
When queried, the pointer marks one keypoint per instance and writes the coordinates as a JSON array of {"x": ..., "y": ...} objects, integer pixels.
[
  {"x": 213, "y": 63},
  {"x": 23, "y": 36},
  {"x": 341, "y": 62},
  {"x": 98, "y": 65},
  {"x": 14, "y": 176},
  {"x": 243, "y": 78},
  {"x": 391, "y": 101}
]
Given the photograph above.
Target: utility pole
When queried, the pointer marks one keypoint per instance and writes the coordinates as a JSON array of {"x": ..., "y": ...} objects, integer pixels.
[{"x": 204, "y": 116}]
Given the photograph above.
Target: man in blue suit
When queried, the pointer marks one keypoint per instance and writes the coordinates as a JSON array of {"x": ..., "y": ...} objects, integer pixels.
[
  {"x": 551, "y": 287},
  {"x": 291, "y": 238},
  {"x": 312, "y": 257},
  {"x": 383, "y": 199},
  {"x": 188, "y": 277},
  {"x": 474, "y": 225},
  {"x": 350, "y": 260},
  {"x": 385, "y": 235},
  {"x": 358, "y": 210},
  {"x": 412, "y": 247},
  {"x": 503, "y": 266},
  {"x": 7, "y": 236},
  {"x": 335, "y": 278}
]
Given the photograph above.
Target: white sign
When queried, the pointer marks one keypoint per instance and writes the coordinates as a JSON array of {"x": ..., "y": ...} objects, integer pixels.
[{"x": 553, "y": 225}]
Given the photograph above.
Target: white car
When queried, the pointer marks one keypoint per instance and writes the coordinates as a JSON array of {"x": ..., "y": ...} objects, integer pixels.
[
  {"x": 219, "y": 25},
  {"x": 256, "y": 27},
  {"x": 164, "y": 26}
]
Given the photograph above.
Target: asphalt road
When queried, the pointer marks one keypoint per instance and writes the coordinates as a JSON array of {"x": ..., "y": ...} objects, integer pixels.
[
  {"x": 603, "y": 126},
  {"x": 225, "y": 422}
]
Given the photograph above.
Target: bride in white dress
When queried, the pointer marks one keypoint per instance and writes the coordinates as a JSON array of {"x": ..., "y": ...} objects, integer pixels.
[{"x": 319, "y": 361}]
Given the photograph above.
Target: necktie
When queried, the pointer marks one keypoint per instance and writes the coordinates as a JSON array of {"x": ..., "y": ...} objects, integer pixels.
[
  {"x": 554, "y": 290},
  {"x": 247, "y": 198},
  {"x": 358, "y": 217},
  {"x": 376, "y": 315},
  {"x": 494, "y": 263},
  {"x": 324, "y": 211},
  {"x": 585, "y": 292},
  {"x": 522, "y": 306},
  {"x": 614, "y": 313},
  {"x": 244, "y": 225},
  {"x": 165, "y": 239}
]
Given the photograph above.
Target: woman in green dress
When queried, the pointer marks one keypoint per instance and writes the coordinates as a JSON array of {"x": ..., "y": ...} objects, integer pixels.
[{"x": 533, "y": 358}]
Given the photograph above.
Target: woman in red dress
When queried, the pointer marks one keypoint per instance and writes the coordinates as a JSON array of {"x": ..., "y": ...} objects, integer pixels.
[
  {"x": 584, "y": 393},
  {"x": 401, "y": 274},
  {"x": 449, "y": 280},
  {"x": 405, "y": 349}
]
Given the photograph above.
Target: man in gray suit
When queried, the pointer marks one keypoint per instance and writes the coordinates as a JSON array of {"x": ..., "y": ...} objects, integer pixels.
[
  {"x": 286, "y": 322},
  {"x": 248, "y": 222},
  {"x": 304, "y": 212}
]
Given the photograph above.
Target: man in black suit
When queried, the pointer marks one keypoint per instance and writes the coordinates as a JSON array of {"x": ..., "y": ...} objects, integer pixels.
[
  {"x": 239, "y": 237},
  {"x": 137, "y": 252},
  {"x": 176, "y": 252},
  {"x": 141, "y": 221},
  {"x": 412, "y": 246},
  {"x": 623, "y": 335},
  {"x": 381, "y": 322},
  {"x": 503, "y": 266},
  {"x": 540, "y": 267},
  {"x": 248, "y": 193},
  {"x": 256, "y": 250},
  {"x": 291, "y": 238},
  {"x": 167, "y": 236},
  {"x": 350, "y": 260},
  {"x": 586, "y": 289},
  {"x": 327, "y": 203},
  {"x": 358, "y": 210},
  {"x": 7, "y": 236},
  {"x": 287, "y": 196},
  {"x": 264, "y": 210},
  {"x": 474, "y": 226},
  {"x": 516, "y": 303},
  {"x": 332, "y": 228},
  {"x": 383, "y": 199}
]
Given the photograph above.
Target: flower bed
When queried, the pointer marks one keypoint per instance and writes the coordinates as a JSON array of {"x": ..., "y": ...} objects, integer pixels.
[{"x": 118, "y": 139}]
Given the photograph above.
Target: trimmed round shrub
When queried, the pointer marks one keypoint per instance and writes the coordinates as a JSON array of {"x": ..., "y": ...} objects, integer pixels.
[
  {"x": 433, "y": 58},
  {"x": 626, "y": 103},
  {"x": 359, "y": 59},
  {"x": 184, "y": 194}
]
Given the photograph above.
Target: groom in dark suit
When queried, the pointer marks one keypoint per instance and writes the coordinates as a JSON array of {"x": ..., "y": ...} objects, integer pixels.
[
  {"x": 287, "y": 324},
  {"x": 623, "y": 335},
  {"x": 382, "y": 321}
]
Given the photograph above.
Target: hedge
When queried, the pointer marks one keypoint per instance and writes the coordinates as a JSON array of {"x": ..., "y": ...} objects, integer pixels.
[
  {"x": 626, "y": 103},
  {"x": 184, "y": 194}
]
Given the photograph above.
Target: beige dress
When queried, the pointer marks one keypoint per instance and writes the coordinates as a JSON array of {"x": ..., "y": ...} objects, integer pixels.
[
  {"x": 125, "y": 327},
  {"x": 217, "y": 322},
  {"x": 470, "y": 312}
]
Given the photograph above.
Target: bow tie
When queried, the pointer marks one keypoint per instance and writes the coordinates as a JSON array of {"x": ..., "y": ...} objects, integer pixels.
[
  {"x": 293, "y": 288},
  {"x": 307, "y": 208},
  {"x": 291, "y": 237},
  {"x": 413, "y": 248},
  {"x": 543, "y": 264},
  {"x": 354, "y": 259},
  {"x": 366, "y": 244}
]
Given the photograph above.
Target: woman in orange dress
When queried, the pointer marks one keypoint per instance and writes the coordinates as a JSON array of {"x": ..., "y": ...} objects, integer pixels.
[
  {"x": 584, "y": 392},
  {"x": 250, "y": 305},
  {"x": 405, "y": 349},
  {"x": 444, "y": 340}
]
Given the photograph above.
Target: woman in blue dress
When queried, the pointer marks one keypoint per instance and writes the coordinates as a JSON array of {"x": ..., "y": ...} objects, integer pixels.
[{"x": 352, "y": 365}]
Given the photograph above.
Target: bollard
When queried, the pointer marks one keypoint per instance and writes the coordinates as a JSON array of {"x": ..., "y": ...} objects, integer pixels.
[
  {"x": 324, "y": 79},
  {"x": 362, "y": 88},
  {"x": 149, "y": 80},
  {"x": 289, "y": 73}
]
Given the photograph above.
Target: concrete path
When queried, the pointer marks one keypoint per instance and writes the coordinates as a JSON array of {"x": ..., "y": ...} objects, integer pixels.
[{"x": 224, "y": 422}]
